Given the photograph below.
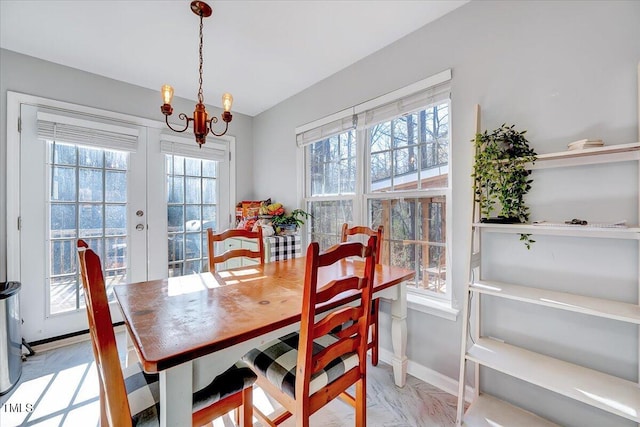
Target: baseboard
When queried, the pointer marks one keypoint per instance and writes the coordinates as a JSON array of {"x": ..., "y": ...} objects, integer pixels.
[
  {"x": 430, "y": 376},
  {"x": 57, "y": 343}
]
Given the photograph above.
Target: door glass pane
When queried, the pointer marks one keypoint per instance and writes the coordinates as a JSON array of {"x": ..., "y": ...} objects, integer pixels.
[
  {"x": 192, "y": 204},
  {"x": 95, "y": 209}
]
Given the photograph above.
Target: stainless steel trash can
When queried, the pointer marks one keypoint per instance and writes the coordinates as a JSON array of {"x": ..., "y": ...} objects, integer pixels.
[{"x": 10, "y": 336}]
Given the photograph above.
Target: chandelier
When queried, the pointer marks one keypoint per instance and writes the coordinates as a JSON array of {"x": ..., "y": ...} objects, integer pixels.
[{"x": 202, "y": 125}]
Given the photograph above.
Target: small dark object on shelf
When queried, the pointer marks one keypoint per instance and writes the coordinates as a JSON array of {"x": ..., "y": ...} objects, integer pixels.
[
  {"x": 501, "y": 220},
  {"x": 576, "y": 221}
]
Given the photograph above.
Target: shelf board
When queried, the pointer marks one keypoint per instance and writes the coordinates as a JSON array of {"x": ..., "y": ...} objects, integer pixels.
[
  {"x": 587, "y": 156},
  {"x": 561, "y": 300},
  {"x": 489, "y": 411},
  {"x": 629, "y": 233},
  {"x": 609, "y": 393}
]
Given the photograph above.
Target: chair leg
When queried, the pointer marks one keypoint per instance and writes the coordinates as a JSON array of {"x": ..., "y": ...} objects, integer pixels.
[
  {"x": 375, "y": 304},
  {"x": 361, "y": 402},
  {"x": 245, "y": 413}
]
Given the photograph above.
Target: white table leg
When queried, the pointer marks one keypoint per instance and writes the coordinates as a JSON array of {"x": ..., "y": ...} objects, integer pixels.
[
  {"x": 176, "y": 388},
  {"x": 399, "y": 335}
]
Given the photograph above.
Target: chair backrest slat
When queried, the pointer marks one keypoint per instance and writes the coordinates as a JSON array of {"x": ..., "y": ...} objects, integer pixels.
[
  {"x": 212, "y": 238},
  {"x": 359, "y": 229}
]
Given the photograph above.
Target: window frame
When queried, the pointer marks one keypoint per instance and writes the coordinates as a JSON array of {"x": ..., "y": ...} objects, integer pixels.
[{"x": 426, "y": 301}]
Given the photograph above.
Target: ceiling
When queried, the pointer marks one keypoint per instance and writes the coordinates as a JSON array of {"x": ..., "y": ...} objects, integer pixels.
[{"x": 262, "y": 52}]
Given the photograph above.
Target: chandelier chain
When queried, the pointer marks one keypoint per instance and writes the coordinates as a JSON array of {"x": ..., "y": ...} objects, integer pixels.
[{"x": 200, "y": 96}]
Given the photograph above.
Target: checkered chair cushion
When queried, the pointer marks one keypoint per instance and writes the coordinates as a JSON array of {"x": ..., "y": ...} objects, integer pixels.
[
  {"x": 283, "y": 247},
  {"x": 277, "y": 360},
  {"x": 143, "y": 391}
]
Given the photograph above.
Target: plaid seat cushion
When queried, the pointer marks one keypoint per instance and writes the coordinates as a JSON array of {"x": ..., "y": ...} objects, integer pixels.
[
  {"x": 277, "y": 361},
  {"x": 283, "y": 247},
  {"x": 143, "y": 391}
]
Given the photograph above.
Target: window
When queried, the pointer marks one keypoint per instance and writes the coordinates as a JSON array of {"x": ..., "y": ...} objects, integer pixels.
[
  {"x": 408, "y": 185},
  {"x": 332, "y": 179},
  {"x": 87, "y": 200},
  {"x": 191, "y": 209},
  {"x": 196, "y": 200},
  {"x": 390, "y": 169}
]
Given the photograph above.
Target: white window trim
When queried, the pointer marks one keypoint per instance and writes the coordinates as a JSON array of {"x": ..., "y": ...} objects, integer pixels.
[{"x": 429, "y": 304}]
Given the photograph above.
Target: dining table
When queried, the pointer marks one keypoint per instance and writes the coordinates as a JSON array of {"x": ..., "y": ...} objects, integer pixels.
[{"x": 191, "y": 328}]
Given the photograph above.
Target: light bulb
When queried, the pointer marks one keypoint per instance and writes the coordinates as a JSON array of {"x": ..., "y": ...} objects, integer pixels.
[
  {"x": 167, "y": 94},
  {"x": 227, "y": 101}
]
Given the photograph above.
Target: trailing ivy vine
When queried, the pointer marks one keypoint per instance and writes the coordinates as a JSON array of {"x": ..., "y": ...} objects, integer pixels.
[{"x": 501, "y": 178}]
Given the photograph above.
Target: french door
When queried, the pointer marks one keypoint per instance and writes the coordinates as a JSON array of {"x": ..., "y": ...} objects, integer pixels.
[
  {"x": 113, "y": 185},
  {"x": 76, "y": 186}
]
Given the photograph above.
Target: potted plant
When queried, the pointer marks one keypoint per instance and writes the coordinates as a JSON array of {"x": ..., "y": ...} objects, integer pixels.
[
  {"x": 289, "y": 223},
  {"x": 501, "y": 179}
]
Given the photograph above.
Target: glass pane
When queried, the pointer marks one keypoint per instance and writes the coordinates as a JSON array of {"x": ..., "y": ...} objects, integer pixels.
[
  {"x": 115, "y": 187},
  {"x": 175, "y": 269},
  {"x": 90, "y": 184},
  {"x": 91, "y": 157},
  {"x": 178, "y": 165},
  {"x": 192, "y": 167},
  {"x": 193, "y": 218},
  {"x": 116, "y": 160},
  {"x": 176, "y": 250},
  {"x": 63, "y": 257},
  {"x": 405, "y": 174},
  {"x": 348, "y": 176},
  {"x": 62, "y": 220},
  {"x": 417, "y": 145},
  {"x": 380, "y": 137},
  {"x": 116, "y": 252},
  {"x": 112, "y": 278},
  {"x": 64, "y": 154},
  {"x": 63, "y": 294},
  {"x": 380, "y": 170},
  {"x": 415, "y": 237},
  {"x": 175, "y": 189},
  {"x": 91, "y": 220},
  {"x": 175, "y": 218},
  {"x": 327, "y": 220},
  {"x": 209, "y": 169},
  {"x": 63, "y": 186},
  {"x": 193, "y": 190},
  {"x": 192, "y": 267},
  {"x": 115, "y": 220},
  {"x": 332, "y": 168},
  {"x": 209, "y": 217},
  {"x": 192, "y": 245},
  {"x": 209, "y": 191}
]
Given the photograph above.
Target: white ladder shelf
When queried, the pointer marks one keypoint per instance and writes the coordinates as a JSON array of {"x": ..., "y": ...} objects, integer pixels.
[{"x": 606, "y": 392}]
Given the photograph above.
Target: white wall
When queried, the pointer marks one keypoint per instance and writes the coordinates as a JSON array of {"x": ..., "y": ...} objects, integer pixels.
[
  {"x": 25, "y": 74},
  {"x": 563, "y": 70}
]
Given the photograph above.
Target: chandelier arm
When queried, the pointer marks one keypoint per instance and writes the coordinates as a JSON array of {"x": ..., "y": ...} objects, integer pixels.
[
  {"x": 182, "y": 116},
  {"x": 215, "y": 120}
]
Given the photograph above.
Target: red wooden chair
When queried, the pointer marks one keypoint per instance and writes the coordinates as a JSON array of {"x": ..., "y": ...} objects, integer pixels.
[
  {"x": 127, "y": 398},
  {"x": 306, "y": 370}
]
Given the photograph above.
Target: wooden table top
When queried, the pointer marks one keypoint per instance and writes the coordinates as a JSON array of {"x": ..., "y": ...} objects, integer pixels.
[{"x": 178, "y": 319}]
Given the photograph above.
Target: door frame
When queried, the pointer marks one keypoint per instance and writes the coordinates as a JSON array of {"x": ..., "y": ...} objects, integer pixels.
[{"x": 14, "y": 101}]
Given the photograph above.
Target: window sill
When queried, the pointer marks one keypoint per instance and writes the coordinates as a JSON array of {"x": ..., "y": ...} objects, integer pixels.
[{"x": 432, "y": 306}]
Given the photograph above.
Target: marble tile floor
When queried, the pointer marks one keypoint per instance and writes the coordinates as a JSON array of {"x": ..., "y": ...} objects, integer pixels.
[{"x": 59, "y": 388}]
